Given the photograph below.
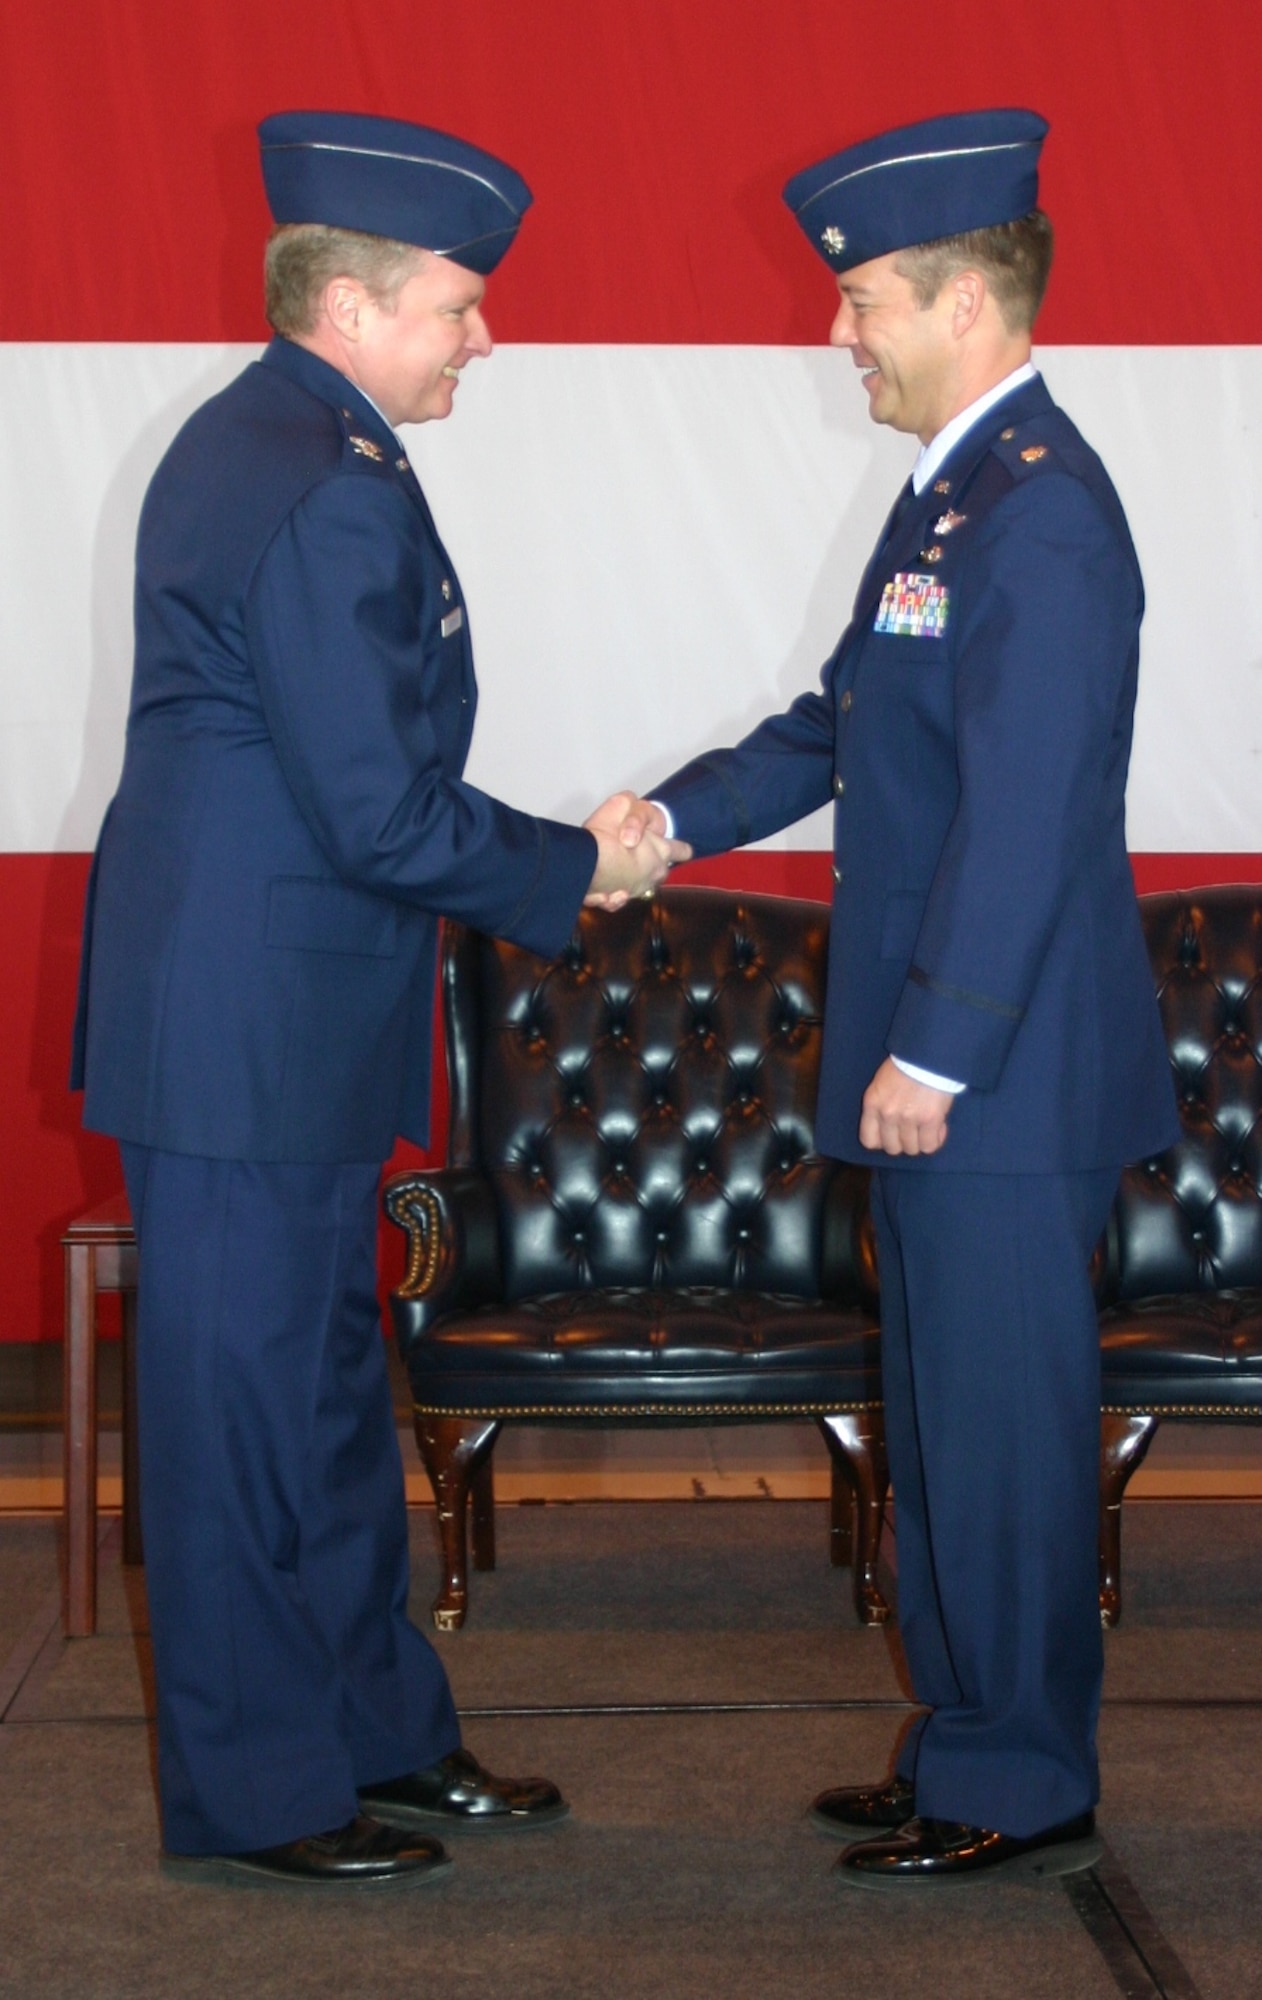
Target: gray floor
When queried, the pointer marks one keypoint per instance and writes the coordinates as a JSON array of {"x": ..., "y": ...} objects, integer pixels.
[{"x": 691, "y": 1674}]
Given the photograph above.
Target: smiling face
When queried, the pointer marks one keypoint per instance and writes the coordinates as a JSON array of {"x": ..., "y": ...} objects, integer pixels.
[
  {"x": 908, "y": 354},
  {"x": 407, "y": 353}
]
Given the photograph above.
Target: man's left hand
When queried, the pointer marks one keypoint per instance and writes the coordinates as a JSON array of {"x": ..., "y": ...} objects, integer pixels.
[{"x": 901, "y": 1115}]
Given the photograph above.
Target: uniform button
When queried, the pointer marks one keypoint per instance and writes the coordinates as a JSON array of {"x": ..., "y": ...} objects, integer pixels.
[
  {"x": 846, "y": 700},
  {"x": 837, "y": 876},
  {"x": 839, "y": 787}
]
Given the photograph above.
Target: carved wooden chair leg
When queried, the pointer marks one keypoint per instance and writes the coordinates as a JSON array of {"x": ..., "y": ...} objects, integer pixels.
[
  {"x": 856, "y": 1440},
  {"x": 133, "y": 1539},
  {"x": 1124, "y": 1439},
  {"x": 841, "y": 1501},
  {"x": 482, "y": 1495},
  {"x": 452, "y": 1448}
]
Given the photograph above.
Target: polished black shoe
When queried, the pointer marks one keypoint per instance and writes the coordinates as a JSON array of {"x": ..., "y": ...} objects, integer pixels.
[
  {"x": 939, "y": 1850},
  {"x": 865, "y": 1808},
  {"x": 463, "y": 1793},
  {"x": 363, "y": 1854}
]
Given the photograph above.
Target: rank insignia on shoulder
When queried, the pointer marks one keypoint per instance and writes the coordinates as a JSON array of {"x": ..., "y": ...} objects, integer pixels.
[
  {"x": 1033, "y": 453},
  {"x": 452, "y": 622},
  {"x": 946, "y": 524},
  {"x": 913, "y": 607},
  {"x": 366, "y": 447}
]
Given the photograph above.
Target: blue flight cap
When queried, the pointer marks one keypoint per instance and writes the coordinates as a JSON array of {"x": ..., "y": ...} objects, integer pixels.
[
  {"x": 919, "y": 182},
  {"x": 388, "y": 178}
]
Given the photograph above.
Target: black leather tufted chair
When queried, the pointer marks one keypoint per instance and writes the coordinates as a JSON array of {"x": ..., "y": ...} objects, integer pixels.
[
  {"x": 1181, "y": 1284},
  {"x": 634, "y": 1225}
]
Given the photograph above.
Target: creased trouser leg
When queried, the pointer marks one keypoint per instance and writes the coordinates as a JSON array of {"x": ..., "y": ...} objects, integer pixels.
[
  {"x": 274, "y": 1519},
  {"x": 991, "y": 1371}
]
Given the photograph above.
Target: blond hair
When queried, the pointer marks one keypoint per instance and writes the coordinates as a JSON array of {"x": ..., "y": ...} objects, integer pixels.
[{"x": 303, "y": 257}]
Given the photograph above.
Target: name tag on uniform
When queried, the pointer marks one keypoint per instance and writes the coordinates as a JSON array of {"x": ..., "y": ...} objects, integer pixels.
[
  {"x": 913, "y": 607},
  {"x": 452, "y": 622}
]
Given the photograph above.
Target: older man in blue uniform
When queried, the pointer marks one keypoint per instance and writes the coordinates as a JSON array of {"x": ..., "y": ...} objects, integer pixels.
[
  {"x": 992, "y": 1045},
  {"x": 255, "y": 1010}
]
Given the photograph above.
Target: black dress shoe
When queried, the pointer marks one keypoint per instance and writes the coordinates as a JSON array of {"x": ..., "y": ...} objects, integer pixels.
[
  {"x": 463, "y": 1793},
  {"x": 865, "y": 1808},
  {"x": 939, "y": 1850},
  {"x": 363, "y": 1854}
]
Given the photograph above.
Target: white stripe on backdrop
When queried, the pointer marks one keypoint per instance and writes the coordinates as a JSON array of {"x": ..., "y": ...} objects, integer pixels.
[{"x": 658, "y": 545}]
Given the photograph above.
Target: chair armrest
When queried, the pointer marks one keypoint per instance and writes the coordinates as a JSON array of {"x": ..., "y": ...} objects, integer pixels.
[
  {"x": 848, "y": 1271},
  {"x": 451, "y": 1221}
]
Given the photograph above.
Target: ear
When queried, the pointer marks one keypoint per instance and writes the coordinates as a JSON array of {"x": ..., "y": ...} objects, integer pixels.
[
  {"x": 968, "y": 294},
  {"x": 343, "y": 305}
]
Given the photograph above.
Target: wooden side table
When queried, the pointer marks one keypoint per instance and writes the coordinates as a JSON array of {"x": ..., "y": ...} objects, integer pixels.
[{"x": 100, "y": 1256}]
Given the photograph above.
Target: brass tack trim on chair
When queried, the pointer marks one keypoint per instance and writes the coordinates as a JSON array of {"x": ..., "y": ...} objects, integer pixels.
[
  {"x": 423, "y": 1233},
  {"x": 1160, "y": 1410},
  {"x": 615, "y": 1410}
]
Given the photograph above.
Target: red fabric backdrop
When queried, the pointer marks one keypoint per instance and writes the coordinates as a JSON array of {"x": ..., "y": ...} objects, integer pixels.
[{"x": 656, "y": 135}]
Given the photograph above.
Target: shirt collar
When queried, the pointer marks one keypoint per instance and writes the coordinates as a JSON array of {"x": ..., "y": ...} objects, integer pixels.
[
  {"x": 933, "y": 454},
  {"x": 381, "y": 413}
]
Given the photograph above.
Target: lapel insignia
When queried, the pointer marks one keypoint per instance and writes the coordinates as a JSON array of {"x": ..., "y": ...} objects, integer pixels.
[
  {"x": 942, "y": 486},
  {"x": 1033, "y": 453},
  {"x": 913, "y": 607},
  {"x": 1006, "y": 437},
  {"x": 933, "y": 554},
  {"x": 946, "y": 524},
  {"x": 366, "y": 447}
]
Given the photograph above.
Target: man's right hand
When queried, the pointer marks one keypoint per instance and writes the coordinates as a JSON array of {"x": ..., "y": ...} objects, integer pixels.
[{"x": 635, "y": 854}]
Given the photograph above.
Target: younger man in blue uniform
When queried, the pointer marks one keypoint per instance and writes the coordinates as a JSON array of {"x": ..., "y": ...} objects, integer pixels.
[
  {"x": 255, "y": 1011},
  {"x": 992, "y": 1045}
]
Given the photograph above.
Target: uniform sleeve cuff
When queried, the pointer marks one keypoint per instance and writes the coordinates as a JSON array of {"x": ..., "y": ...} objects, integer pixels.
[{"x": 918, "y": 1075}]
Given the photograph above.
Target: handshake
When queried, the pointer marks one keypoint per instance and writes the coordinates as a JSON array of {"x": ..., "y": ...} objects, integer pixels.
[{"x": 635, "y": 852}]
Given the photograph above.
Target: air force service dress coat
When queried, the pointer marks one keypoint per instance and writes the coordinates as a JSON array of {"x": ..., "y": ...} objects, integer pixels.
[
  {"x": 291, "y": 819},
  {"x": 254, "y": 1027},
  {"x": 974, "y": 730}
]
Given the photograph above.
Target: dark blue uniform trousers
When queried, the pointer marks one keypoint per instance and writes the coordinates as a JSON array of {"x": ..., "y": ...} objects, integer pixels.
[
  {"x": 990, "y": 1358},
  {"x": 272, "y": 1503}
]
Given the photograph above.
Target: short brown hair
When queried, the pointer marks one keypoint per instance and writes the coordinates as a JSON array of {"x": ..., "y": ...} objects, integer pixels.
[
  {"x": 302, "y": 257},
  {"x": 1015, "y": 259}
]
